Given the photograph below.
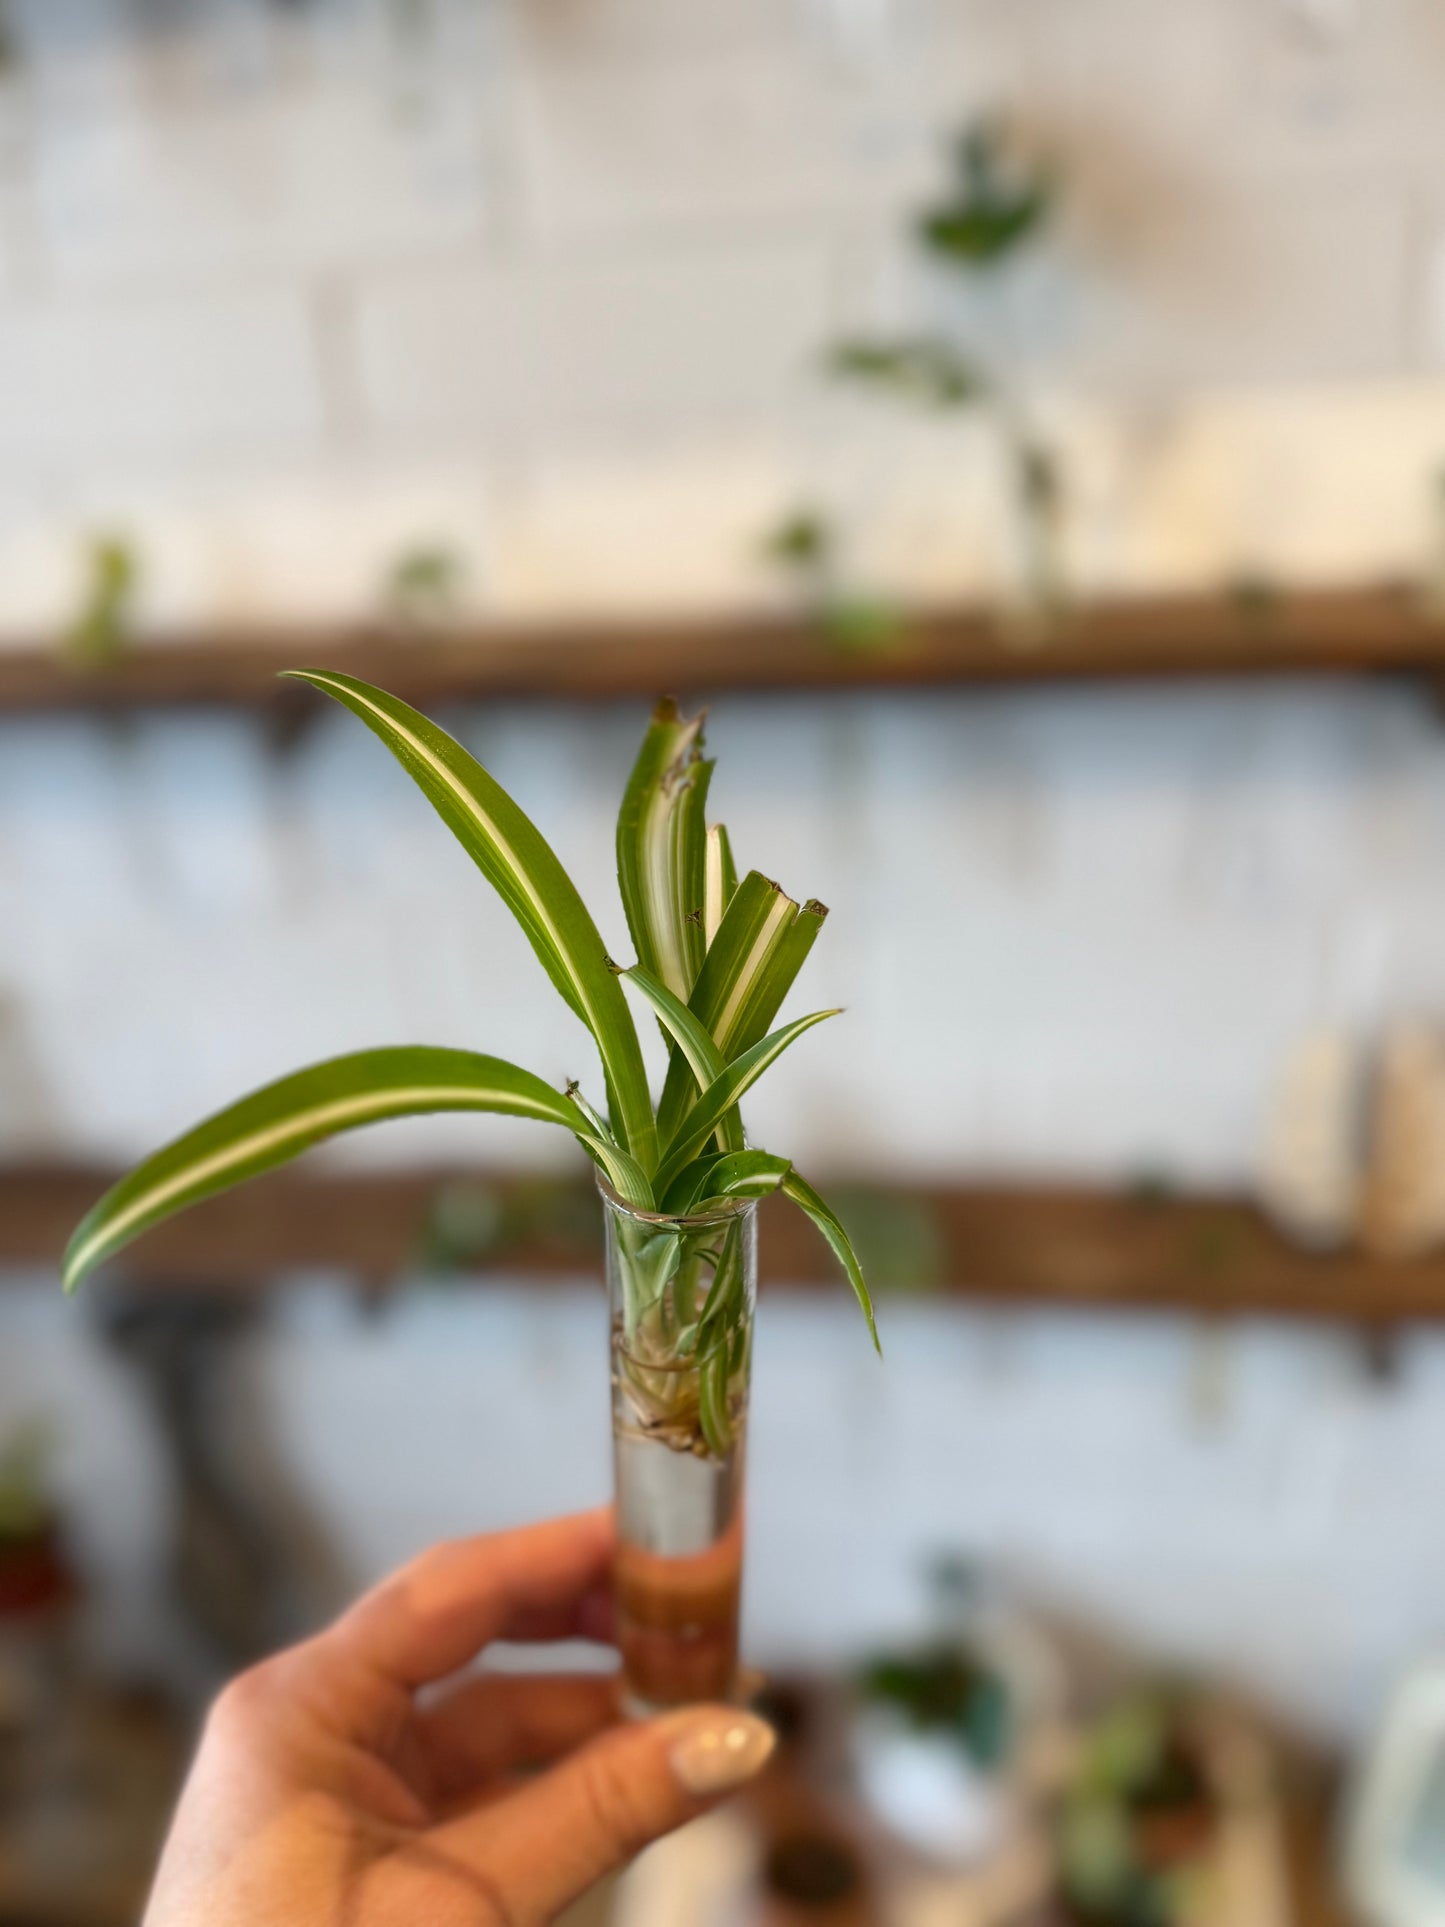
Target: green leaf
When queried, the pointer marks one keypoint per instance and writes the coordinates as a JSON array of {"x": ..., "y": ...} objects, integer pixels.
[
  {"x": 661, "y": 849},
  {"x": 753, "y": 931},
  {"x": 723, "y": 1093},
  {"x": 701, "y": 1054},
  {"x": 689, "y": 1185},
  {"x": 712, "y": 1390},
  {"x": 717, "y": 1177},
  {"x": 757, "y": 917},
  {"x": 773, "y": 976},
  {"x": 521, "y": 865},
  {"x": 623, "y": 1173},
  {"x": 997, "y": 205},
  {"x": 744, "y": 1174},
  {"x": 598, "y": 1125},
  {"x": 720, "y": 881},
  {"x": 982, "y": 233},
  {"x": 823, "y": 1215},
  {"x": 273, "y": 1124}
]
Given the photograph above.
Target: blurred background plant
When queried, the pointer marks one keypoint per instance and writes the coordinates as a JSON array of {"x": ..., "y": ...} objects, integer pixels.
[
  {"x": 995, "y": 209},
  {"x": 1138, "y": 1818},
  {"x": 424, "y": 586},
  {"x": 101, "y": 627},
  {"x": 26, "y": 1508}
]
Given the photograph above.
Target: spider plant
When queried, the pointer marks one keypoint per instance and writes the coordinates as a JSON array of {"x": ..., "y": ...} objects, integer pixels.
[{"x": 715, "y": 957}]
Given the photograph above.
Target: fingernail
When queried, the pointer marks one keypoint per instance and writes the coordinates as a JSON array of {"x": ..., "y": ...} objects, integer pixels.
[{"x": 716, "y": 1751}]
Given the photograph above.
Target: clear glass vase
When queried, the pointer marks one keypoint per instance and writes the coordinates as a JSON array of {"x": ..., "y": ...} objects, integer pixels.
[{"x": 683, "y": 1292}]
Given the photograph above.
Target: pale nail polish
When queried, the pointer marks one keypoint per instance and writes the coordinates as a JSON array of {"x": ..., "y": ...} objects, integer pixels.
[{"x": 716, "y": 1751}]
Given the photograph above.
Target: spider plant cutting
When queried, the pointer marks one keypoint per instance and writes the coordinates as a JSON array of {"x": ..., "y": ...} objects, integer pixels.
[{"x": 715, "y": 957}]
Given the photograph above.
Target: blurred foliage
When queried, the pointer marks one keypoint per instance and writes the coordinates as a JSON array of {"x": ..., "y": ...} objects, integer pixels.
[
  {"x": 1039, "y": 490},
  {"x": 424, "y": 585},
  {"x": 926, "y": 370},
  {"x": 995, "y": 206},
  {"x": 805, "y": 545},
  {"x": 1255, "y": 597},
  {"x": 472, "y": 1226},
  {"x": 26, "y": 1509},
  {"x": 862, "y": 623},
  {"x": 804, "y": 539},
  {"x": 1136, "y": 1821},
  {"x": 945, "y": 1690},
  {"x": 898, "y": 1236},
  {"x": 1040, "y": 479},
  {"x": 101, "y": 627}
]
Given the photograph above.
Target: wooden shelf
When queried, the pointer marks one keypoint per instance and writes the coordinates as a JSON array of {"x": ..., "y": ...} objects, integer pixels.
[
  {"x": 1058, "y": 1245},
  {"x": 1338, "y": 632}
]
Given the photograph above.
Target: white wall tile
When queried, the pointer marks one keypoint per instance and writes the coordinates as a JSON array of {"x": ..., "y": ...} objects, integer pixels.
[
  {"x": 702, "y": 335},
  {"x": 631, "y": 146},
  {"x": 292, "y": 181},
  {"x": 645, "y": 29},
  {"x": 174, "y": 377},
  {"x": 1238, "y": 277}
]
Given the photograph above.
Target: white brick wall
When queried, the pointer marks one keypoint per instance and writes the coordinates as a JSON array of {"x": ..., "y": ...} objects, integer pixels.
[
  {"x": 160, "y": 377},
  {"x": 606, "y": 344},
  {"x": 608, "y": 240},
  {"x": 277, "y": 182}
]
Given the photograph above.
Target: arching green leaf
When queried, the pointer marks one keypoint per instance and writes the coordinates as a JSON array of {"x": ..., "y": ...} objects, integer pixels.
[
  {"x": 826, "y": 1218},
  {"x": 517, "y": 860},
  {"x": 275, "y": 1123},
  {"x": 723, "y": 1093}
]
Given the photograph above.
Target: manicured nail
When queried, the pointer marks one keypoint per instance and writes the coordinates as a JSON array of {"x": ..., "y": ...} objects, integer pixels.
[{"x": 715, "y": 1751}]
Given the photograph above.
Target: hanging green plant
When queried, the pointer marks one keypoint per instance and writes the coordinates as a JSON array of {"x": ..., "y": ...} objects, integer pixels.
[
  {"x": 994, "y": 209},
  {"x": 995, "y": 205}
]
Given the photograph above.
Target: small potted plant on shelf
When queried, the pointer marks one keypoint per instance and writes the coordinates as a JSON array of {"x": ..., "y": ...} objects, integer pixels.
[
  {"x": 948, "y": 1733},
  {"x": 1138, "y": 1821},
  {"x": 715, "y": 957}
]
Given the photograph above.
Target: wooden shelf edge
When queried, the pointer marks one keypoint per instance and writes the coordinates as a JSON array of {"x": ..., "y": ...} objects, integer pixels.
[
  {"x": 1343, "y": 631},
  {"x": 1049, "y": 1245}
]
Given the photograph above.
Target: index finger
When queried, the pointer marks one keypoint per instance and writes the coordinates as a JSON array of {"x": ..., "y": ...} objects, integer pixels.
[{"x": 437, "y": 1613}]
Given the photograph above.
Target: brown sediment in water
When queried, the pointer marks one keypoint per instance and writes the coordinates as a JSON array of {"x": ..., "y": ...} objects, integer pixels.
[{"x": 677, "y": 1620}]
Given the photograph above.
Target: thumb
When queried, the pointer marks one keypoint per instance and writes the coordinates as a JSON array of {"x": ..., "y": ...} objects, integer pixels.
[{"x": 552, "y": 1840}]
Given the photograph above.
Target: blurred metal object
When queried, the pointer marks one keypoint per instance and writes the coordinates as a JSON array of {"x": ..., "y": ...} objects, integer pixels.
[{"x": 229, "y": 1572}]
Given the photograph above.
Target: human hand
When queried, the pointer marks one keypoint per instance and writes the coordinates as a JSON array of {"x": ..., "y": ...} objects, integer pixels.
[{"x": 325, "y": 1794}]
